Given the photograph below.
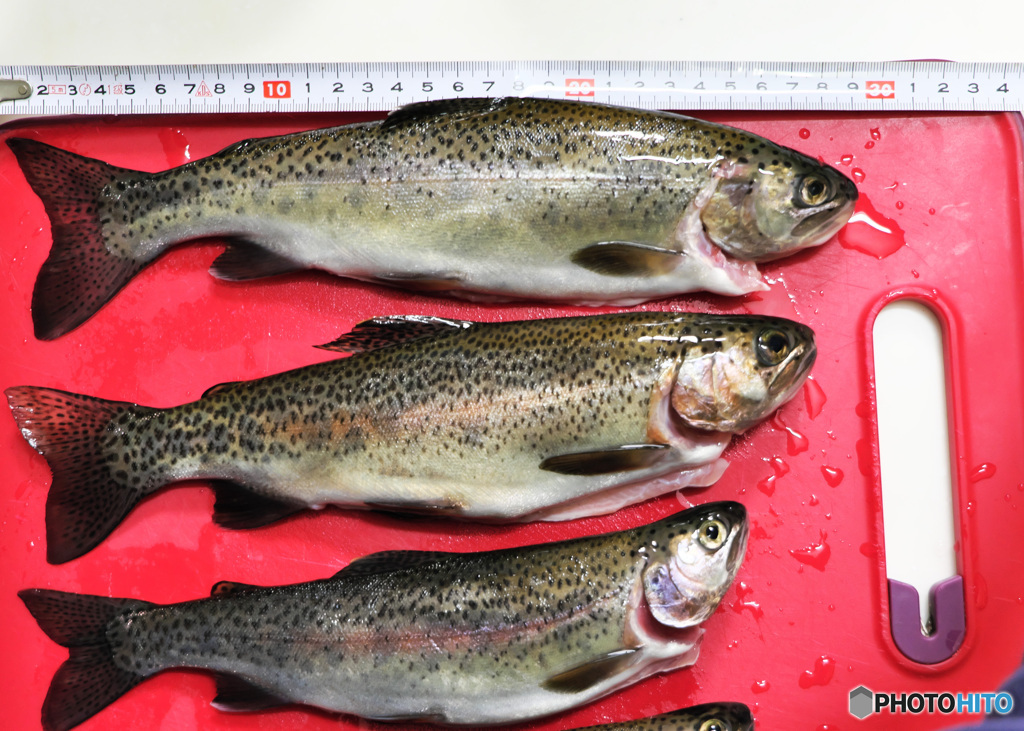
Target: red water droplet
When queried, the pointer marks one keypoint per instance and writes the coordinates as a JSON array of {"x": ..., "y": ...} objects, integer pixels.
[
  {"x": 816, "y": 555},
  {"x": 767, "y": 485},
  {"x": 833, "y": 475},
  {"x": 753, "y": 607},
  {"x": 916, "y": 274},
  {"x": 176, "y": 146},
  {"x": 824, "y": 669},
  {"x": 869, "y": 232},
  {"x": 858, "y": 175},
  {"x": 795, "y": 441},
  {"x": 899, "y": 205},
  {"x": 805, "y": 133},
  {"x": 846, "y": 159},
  {"x": 868, "y": 145},
  {"x": 866, "y": 457},
  {"x": 760, "y": 686},
  {"x": 868, "y": 549},
  {"x": 983, "y": 472},
  {"x": 778, "y": 465},
  {"x": 813, "y": 501},
  {"x": 743, "y": 589},
  {"x": 876, "y": 133},
  {"x": 814, "y": 398},
  {"x": 931, "y": 211}
]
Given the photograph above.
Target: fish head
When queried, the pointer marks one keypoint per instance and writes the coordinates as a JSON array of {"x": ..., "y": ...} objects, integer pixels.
[
  {"x": 735, "y": 371},
  {"x": 692, "y": 565},
  {"x": 716, "y": 717},
  {"x": 773, "y": 206}
]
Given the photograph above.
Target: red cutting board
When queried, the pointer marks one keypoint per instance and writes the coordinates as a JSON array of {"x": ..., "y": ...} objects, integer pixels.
[{"x": 807, "y": 618}]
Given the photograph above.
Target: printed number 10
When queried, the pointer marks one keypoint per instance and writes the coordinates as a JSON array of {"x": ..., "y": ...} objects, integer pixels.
[{"x": 277, "y": 89}]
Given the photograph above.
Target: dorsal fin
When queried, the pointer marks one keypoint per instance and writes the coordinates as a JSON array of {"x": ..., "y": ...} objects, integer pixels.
[
  {"x": 386, "y": 561},
  {"x": 381, "y": 332},
  {"x": 443, "y": 107}
]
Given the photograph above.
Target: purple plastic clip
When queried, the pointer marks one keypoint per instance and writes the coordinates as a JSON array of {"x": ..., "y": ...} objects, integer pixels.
[{"x": 947, "y": 607}]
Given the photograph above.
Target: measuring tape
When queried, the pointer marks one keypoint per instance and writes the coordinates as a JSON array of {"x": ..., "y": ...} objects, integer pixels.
[{"x": 914, "y": 86}]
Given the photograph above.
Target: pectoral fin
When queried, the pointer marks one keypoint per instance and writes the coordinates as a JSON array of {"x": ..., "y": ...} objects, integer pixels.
[
  {"x": 625, "y": 259},
  {"x": 235, "y": 694},
  {"x": 595, "y": 672},
  {"x": 602, "y": 462}
]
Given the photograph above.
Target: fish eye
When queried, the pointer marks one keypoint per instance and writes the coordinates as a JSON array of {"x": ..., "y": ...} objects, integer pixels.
[
  {"x": 714, "y": 724},
  {"x": 814, "y": 190},
  {"x": 711, "y": 535},
  {"x": 772, "y": 346}
]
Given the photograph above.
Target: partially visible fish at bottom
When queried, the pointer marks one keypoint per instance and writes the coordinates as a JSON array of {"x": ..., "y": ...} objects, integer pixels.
[{"x": 705, "y": 717}]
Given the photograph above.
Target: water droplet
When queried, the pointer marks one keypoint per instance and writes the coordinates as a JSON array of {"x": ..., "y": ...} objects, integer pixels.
[
  {"x": 831, "y": 607},
  {"x": 868, "y": 549},
  {"x": 743, "y": 589},
  {"x": 970, "y": 507},
  {"x": 805, "y": 133},
  {"x": 753, "y": 607},
  {"x": 876, "y": 133},
  {"x": 824, "y": 669},
  {"x": 813, "y": 501},
  {"x": 899, "y": 205},
  {"x": 795, "y": 441},
  {"x": 916, "y": 274},
  {"x": 869, "y": 232},
  {"x": 931, "y": 211},
  {"x": 868, "y": 145},
  {"x": 760, "y": 686},
  {"x": 858, "y": 175},
  {"x": 1007, "y": 497},
  {"x": 767, "y": 485},
  {"x": 816, "y": 555},
  {"x": 983, "y": 472},
  {"x": 846, "y": 159},
  {"x": 833, "y": 475},
  {"x": 814, "y": 397},
  {"x": 1020, "y": 487}
]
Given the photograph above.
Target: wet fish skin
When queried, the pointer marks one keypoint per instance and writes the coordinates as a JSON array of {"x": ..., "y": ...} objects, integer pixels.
[
  {"x": 544, "y": 419},
  {"x": 507, "y": 198},
  {"x": 705, "y": 717},
  {"x": 472, "y": 638}
]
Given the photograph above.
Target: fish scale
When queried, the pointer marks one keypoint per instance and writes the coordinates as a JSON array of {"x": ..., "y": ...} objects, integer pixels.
[
  {"x": 475, "y": 638},
  {"x": 492, "y": 198},
  {"x": 541, "y": 419}
]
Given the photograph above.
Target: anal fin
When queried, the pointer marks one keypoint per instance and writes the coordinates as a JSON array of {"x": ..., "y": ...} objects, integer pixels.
[
  {"x": 586, "y": 676},
  {"x": 425, "y": 282},
  {"x": 238, "y": 508},
  {"x": 625, "y": 259},
  {"x": 626, "y": 458},
  {"x": 244, "y": 259},
  {"x": 238, "y": 695}
]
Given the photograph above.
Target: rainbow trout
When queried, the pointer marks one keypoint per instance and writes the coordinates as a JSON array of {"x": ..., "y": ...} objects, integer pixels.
[
  {"x": 533, "y": 420},
  {"x": 456, "y": 638},
  {"x": 502, "y": 198},
  {"x": 705, "y": 717}
]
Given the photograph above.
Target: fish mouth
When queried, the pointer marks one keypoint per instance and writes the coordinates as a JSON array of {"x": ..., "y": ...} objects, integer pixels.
[
  {"x": 820, "y": 226},
  {"x": 802, "y": 357}
]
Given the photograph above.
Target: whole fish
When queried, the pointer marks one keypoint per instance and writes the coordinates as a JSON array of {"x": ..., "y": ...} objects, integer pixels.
[
  {"x": 540, "y": 419},
  {"x": 506, "y": 198},
  {"x": 470, "y": 638},
  {"x": 705, "y": 717}
]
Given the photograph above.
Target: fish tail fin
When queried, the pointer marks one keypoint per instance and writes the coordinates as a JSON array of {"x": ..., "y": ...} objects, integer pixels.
[
  {"x": 89, "y": 680},
  {"x": 90, "y": 494},
  {"x": 81, "y": 273}
]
